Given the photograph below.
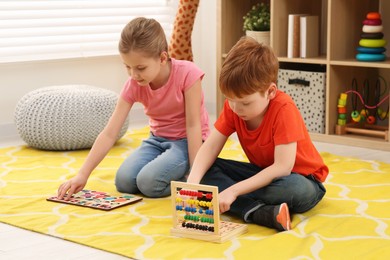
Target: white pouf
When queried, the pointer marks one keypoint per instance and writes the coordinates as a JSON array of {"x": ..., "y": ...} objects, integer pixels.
[{"x": 67, "y": 117}]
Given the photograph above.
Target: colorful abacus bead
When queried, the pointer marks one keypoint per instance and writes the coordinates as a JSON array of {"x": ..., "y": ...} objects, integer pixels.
[
  {"x": 192, "y": 217},
  {"x": 342, "y": 110},
  {"x": 189, "y": 209},
  {"x": 382, "y": 114},
  {"x": 364, "y": 113},
  {"x": 371, "y": 120},
  {"x": 342, "y": 102},
  {"x": 342, "y": 116},
  {"x": 341, "y": 121},
  {"x": 355, "y": 116},
  {"x": 209, "y": 212}
]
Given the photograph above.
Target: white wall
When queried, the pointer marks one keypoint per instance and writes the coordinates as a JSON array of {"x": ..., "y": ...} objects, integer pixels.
[
  {"x": 204, "y": 41},
  {"x": 17, "y": 79}
]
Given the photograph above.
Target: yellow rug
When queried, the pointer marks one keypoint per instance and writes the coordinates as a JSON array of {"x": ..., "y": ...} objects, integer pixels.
[{"x": 352, "y": 222}]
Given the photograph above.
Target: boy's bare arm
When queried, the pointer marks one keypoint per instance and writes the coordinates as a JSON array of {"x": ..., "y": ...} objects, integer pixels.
[
  {"x": 282, "y": 166},
  {"x": 284, "y": 160},
  {"x": 206, "y": 155}
]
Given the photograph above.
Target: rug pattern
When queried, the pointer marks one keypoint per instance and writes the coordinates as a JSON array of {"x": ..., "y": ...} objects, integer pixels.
[{"x": 352, "y": 221}]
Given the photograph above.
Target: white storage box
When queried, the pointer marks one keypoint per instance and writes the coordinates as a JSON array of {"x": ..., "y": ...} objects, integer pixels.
[{"x": 307, "y": 89}]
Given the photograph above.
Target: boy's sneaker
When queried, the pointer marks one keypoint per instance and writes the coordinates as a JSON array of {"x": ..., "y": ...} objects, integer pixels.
[
  {"x": 283, "y": 218},
  {"x": 277, "y": 217}
]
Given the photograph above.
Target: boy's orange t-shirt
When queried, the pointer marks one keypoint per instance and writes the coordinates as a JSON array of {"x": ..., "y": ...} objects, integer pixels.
[{"x": 282, "y": 124}]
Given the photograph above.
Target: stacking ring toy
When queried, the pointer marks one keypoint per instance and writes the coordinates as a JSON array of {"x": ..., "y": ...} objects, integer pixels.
[
  {"x": 370, "y": 57},
  {"x": 373, "y": 15},
  {"x": 372, "y": 28},
  {"x": 378, "y": 50},
  {"x": 378, "y": 35},
  {"x": 372, "y": 22},
  {"x": 372, "y": 43}
]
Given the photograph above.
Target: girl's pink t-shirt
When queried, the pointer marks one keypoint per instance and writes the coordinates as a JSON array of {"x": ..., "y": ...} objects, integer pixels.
[{"x": 165, "y": 106}]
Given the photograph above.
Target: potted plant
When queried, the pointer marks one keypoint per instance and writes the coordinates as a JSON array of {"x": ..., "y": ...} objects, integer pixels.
[{"x": 257, "y": 23}]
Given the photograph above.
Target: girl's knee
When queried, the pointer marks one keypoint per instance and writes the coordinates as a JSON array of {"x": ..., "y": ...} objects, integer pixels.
[
  {"x": 153, "y": 187},
  {"x": 124, "y": 184}
]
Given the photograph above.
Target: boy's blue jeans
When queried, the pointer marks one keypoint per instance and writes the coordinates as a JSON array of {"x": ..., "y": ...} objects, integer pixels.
[
  {"x": 299, "y": 192},
  {"x": 152, "y": 166}
]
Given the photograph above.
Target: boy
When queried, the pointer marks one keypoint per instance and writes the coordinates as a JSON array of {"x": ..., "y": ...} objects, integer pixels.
[{"x": 286, "y": 171}]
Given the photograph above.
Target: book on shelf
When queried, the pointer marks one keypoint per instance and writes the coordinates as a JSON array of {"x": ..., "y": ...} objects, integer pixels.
[
  {"x": 309, "y": 36},
  {"x": 293, "y": 37}
]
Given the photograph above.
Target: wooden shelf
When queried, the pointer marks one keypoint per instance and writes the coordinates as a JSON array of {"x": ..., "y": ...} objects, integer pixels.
[
  {"x": 339, "y": 40},
  {"x": 354, "y": 63},
  {"x": 317, "y": 60}
]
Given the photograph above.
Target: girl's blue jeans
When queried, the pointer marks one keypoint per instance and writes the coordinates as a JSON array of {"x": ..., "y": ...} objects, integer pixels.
[
  {"x": 301, "y": 193},
  {"x": 152, "y": 166}
]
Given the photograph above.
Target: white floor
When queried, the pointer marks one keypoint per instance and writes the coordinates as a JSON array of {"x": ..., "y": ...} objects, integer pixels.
[{"x": 20, "y": 244}]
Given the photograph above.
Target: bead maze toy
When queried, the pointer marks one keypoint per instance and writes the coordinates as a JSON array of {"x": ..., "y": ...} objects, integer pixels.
[
  {"x": 363, "y": 122},
  {"x": 196, "y": 214}
]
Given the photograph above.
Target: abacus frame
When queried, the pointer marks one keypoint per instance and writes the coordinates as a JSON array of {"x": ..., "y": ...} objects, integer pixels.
[{"x": 218, "y": 234}]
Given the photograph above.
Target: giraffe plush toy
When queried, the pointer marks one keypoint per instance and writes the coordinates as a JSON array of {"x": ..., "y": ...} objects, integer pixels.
[{"x": 180, "y": 44}]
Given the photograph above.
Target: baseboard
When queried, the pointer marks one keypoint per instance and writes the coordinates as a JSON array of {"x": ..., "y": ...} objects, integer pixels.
[{"x": 8, "y": 131}]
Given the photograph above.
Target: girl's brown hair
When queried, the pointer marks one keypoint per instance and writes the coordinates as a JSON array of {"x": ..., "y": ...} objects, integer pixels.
[
  {"x": 248, "y": 68},
  {"x": 144, "y": 35}
]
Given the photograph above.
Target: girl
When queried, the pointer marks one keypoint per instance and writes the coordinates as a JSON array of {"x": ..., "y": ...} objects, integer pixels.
[{"x": 171, "y": 93}]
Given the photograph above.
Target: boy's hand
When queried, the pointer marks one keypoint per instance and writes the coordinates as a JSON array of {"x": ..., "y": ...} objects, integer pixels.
[
  {"x": 226, "y": 198},
  {"x": 70, "y": 187}
]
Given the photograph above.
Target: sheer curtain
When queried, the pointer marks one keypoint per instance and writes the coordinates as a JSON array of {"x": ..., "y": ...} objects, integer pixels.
[{"x": 32, "y": 30}]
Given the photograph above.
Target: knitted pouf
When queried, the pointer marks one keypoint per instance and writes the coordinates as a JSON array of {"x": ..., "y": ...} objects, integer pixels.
[{"x": 67, "y": 117}]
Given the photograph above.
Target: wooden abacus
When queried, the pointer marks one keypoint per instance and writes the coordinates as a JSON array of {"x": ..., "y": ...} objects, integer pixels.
[{"x": 196, "y": 214}]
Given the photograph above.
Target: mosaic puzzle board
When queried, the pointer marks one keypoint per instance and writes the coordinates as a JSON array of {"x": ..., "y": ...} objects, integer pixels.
[
  {"x": 196, "y": 214},
  {"x": 97, "y": 200}
]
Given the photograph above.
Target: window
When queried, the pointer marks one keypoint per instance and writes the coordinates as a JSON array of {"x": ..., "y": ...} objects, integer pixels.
[{"x": 33, "y": 30}]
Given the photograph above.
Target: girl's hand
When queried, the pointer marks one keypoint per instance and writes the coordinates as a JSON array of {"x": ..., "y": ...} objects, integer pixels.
[
  {"x": 226, "y": 198},
  {"x": 70, "y": 187}
]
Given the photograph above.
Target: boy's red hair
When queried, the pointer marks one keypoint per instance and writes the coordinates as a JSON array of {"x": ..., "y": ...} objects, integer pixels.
[{"x": 248, "y": 68}]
